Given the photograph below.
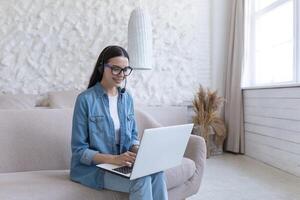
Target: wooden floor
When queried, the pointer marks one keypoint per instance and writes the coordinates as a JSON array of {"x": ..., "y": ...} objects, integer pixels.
[{"x": 238, "y": 177}]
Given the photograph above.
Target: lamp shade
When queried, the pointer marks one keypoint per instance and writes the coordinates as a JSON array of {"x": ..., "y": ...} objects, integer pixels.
[{"x": 140, "y": 39}]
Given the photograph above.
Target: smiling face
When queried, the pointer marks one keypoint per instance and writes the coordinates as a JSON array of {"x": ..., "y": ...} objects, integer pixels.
[{"x": 109, "y": 78}]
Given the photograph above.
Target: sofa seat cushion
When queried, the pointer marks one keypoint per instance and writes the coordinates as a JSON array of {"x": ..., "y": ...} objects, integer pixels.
[
  {"x": 50, "y": 184},
  {"x": 55, "y": 184},
  {"x": 181, "y": 173}
]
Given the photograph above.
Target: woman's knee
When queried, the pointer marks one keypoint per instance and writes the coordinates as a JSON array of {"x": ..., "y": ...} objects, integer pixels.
[
  {"x": 141, "y": 182},
  {"x": 158, "y": 175}
]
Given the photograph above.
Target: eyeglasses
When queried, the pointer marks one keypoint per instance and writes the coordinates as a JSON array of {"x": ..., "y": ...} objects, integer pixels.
[{"x": 116, "y": 70}]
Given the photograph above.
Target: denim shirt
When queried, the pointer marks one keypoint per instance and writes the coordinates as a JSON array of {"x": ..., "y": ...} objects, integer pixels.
[{"x": 93, "y": 131}]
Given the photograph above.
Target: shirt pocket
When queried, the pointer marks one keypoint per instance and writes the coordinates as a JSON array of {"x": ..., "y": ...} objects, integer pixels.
[{"x": 96, "y": 124}]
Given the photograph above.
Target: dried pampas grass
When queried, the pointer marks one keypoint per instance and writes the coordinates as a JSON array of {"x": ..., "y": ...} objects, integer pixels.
[{"x": 206, "y": 106}]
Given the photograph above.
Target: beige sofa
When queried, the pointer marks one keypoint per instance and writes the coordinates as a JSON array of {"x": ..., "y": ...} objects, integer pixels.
[{"x": 35, "y": 158}]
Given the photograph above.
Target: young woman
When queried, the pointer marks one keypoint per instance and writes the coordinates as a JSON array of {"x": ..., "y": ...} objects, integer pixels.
[{"x": 104, "y": 131}]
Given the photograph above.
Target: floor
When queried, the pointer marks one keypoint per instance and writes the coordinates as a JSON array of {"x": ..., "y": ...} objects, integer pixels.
[{"x": 238, "y": 177}]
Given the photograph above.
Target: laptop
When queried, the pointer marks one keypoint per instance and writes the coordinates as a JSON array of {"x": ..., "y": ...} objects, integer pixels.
[{"x": 160, "y": 149}]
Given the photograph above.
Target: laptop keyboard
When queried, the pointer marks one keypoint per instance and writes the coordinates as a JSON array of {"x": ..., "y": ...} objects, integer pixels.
[{"x": 123, "y": 170}]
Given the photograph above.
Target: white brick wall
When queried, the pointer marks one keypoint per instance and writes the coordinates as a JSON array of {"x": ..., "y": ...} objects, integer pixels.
[{"x": 53, "y": 45}]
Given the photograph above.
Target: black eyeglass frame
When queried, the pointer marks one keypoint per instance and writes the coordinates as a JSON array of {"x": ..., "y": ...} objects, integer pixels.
[{"x": 112, "y": 67}]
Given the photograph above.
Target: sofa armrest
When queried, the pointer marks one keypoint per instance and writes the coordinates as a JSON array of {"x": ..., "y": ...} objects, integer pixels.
[{"x": 196, "y": 151}]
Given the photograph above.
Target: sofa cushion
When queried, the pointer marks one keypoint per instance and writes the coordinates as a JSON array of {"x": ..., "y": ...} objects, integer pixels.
[
  {"x": 17, "y": 101},
  {"x": 50, "y": 184},
  {"x": 63, "y": 99},
  {"x": 35, "y": 139},
  {"x": 181, "y": 173},
  {"x": 55, "y": 184}
]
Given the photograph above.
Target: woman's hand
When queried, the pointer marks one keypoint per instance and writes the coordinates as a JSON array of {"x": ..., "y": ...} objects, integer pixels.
[{"x": 126, "y": 158}]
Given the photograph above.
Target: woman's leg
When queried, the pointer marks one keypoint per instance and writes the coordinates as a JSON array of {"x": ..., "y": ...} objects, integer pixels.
[
  {"x": 138, "y": 189},
  {"x": 159, "y": 187},
  {"x": 145, "y": 188},
  {"x": 116, "y": 183},
  {"x": 141, "y": 189}
]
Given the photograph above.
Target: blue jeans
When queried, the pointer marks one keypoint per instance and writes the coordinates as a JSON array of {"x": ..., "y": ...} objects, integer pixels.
[{"x": 151, "y": 187}]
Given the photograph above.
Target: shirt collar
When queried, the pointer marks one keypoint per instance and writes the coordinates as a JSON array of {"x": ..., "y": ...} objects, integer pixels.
[{"x": 101, "y": 91}]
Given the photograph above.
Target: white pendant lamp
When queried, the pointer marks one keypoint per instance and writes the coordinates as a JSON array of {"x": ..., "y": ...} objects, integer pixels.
[{"x": 140, "y": 39}]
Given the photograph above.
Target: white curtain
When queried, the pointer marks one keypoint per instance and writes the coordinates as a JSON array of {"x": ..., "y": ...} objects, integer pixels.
[{"x": 233, "y": 94}]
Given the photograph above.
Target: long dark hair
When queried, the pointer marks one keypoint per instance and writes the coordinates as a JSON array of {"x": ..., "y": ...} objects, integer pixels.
[{"x": 106, "y": 54}]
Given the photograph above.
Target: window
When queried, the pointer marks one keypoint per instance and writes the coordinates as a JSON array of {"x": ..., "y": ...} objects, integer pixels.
[{"x": 271, "y": 42}]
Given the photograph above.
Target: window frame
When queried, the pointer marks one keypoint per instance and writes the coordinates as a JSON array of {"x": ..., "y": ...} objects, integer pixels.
[
  {"x": 250, "y": 41},
  {"x": 297, "y": 39}
]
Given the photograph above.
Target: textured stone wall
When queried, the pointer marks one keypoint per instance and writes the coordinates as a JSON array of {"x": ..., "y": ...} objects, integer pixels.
[{"x": 52, "y": 45}]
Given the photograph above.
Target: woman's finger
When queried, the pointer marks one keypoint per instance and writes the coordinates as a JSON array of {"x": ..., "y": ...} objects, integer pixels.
[
  {"x": 129, "y": 164},
  {"x": 130, "y": 158},
  {"x": 131, "y": 153}
]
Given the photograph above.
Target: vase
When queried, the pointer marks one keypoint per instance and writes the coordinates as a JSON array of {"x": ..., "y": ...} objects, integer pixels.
[
  {"x": 212, "y": 149},
  {"x": 204, "y": 132}
]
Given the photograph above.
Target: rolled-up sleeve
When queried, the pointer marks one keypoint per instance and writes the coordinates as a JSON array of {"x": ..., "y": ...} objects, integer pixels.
[{"x": 79, "y": 141}]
